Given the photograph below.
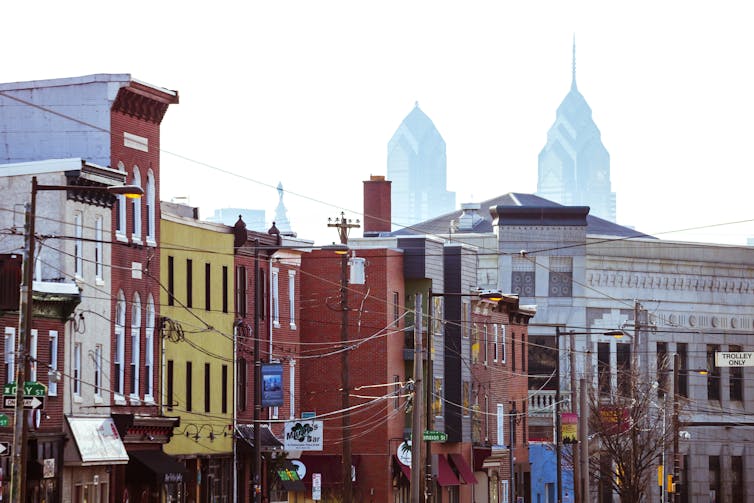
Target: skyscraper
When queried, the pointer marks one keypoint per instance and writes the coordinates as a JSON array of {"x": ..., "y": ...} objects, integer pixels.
[
  {"x": 416, "y": 166},
  {"x": 574, "y": 166}
]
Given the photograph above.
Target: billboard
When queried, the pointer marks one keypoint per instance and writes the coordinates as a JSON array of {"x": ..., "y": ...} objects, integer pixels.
[{"x": 272, "y": 385}]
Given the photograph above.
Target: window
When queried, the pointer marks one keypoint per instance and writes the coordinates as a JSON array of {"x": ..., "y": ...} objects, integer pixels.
[
  {"x": 33, "y": 333},
  {"x": 663, "y": 366},
  {"x": 188, "y": 387},
  {"x": 495, "y": 343},
  {"x": 275, "y": 298},
  {"x": 78, "y": 244},
  {"x": 98, "y": 370},
  {"x": 150, "y": 207},
  {"x": 292, "y": 299},
  {"x": 207, "y": 387},
  {"x": 243, "y": 380},
  {"x": 714, "y": 478},
  {"x": 561, "y": 277},
  {"x": 737, "y": 476},
  {"x": 207, "y": 287},
  {"x": 52, "y": 388},
  {"x": 474, "y": 343},
  {"x": 171, "y": 281},
  {"x": 736, "y": 379},
  {"x": 502, "y": 343},
  {"x": 683, "y": 376},
  {"x": 485, "y": 345},
  {"x": 624, "y": 368},
  {"x": 120, "y": 211},
  {"x": 513, "y": 352},
  {"x": 224, "y": 382},
  {"x": 603, "y": 367},
  {"x": 522, "y": 277},
  {"x": 396, "y": 308},
  {"x": 504, "y": 491},
  {"x": 241, "y": 291},
  {"x": 120, "y": 344},
  {"x": 261, "y": 305},
  {"x": 135, "y": 344},
  {"x": 99, "y": 245},
  {"x": 189, "y": 283},
  {"x": 713, "y": 377},
  {"x": 149, "y": 351},
  {"x": 500, "y": 432},
  {"x": 397, "y": 392},
  {"x": 136, "y": 203},
  {"x": 77, "y": 369},
  {"x": 169, "y": 384},
  {"x": 225, "y": 289}
]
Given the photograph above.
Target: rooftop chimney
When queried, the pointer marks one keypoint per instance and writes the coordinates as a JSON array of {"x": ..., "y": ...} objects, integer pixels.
[{"x": 377, "y": 206}]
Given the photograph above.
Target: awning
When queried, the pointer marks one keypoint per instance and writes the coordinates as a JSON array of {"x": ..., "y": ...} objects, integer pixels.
[
  {"x": 289, "y": 478},
  {"x": 480, "y": 454},
  {"x": 97, "y": 440},
  {"x": 269, "y": 441},
  {"x": 404, "y": 468},
  {"x": 328, "y": 465},
  {"x": 463, "y": 468},
  {"x": 155, "y": 465},
  {"x": 445, "y": 475}
]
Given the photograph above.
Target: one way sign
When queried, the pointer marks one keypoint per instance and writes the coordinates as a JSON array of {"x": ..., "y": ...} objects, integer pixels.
[
  {"x": 4, "y": 448},
  {"x": 30, "y": 402}
]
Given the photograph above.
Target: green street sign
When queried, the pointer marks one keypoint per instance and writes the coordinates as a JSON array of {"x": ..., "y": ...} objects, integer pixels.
[
  {"x": 434, "y": 436},
  {"x": 4, "y": 421},
  {"x": 31, "y": 388}
]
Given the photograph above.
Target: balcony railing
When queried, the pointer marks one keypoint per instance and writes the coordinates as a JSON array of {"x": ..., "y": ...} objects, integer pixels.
[{"x": 542, "y": 403}]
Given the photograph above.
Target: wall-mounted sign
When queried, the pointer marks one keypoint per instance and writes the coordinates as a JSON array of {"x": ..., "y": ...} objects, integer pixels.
[
  {"x": 272, "y": 385},
  {"x": 303, "y": 436},
  {"x": 734, "y": 359}
]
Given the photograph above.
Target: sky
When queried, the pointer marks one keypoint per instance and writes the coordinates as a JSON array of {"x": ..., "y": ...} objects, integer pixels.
[{"x": 308, "y": 94}]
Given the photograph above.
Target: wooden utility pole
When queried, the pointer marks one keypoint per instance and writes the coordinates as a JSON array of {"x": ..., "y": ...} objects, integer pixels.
[
  {"x": 417, "y": 422},
  {"x": 344, "y": 226},
  {"x": 574, "y": 408}
]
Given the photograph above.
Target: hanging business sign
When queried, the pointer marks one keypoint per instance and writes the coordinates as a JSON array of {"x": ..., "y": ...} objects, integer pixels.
[
  {"x": 303, "y": 436},
  {"x": 272, "y": 385},
  {"x": 734, "y": 359},
  {"x": 569, "y": 427}
]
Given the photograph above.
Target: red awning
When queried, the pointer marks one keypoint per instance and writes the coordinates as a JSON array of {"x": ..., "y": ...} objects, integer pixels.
[
  {"x": 328, "y": 465},
  {"x": 404, "y": 468},
  {"x": 445, "y": 475},
  {"x": 463, "y": 468}
]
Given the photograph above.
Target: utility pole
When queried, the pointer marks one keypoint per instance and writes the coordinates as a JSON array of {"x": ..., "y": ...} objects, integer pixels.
[
  {"x": 344, "y": 226},
  {"x": 574, "y": 407},
  {"x": 557, "y": 437},
  {"x": 256, "y": 497},
  {"x": 584, "y": 440},
  {"x": 676, "y": 452},
  {"x": 418, "y": 408}
]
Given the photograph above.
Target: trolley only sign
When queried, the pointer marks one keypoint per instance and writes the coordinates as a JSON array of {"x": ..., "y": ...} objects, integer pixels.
[{"x": 735, "y": 359}]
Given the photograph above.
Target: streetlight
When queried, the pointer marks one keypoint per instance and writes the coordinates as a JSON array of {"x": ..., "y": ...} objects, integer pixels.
[{"x": 18, "y": 471}]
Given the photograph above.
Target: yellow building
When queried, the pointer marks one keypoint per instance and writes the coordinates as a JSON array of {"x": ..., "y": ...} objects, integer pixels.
[{"x": 196, "y": 273}]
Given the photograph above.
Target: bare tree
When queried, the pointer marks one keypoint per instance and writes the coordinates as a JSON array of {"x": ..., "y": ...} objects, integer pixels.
[{"x": 631, "y": 430}]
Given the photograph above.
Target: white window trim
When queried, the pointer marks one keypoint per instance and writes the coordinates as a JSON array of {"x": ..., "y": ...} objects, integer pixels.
[
  {"x": 292, "y": 388},
  {"x": 78, "y": 255},
  {"x": 52, "y": 386},
  {"x": 151, "y": 210},
  {"x": 486, "y": 345},
  {"x": 135, "y": 345},
  {"x": 136, "y": 204},
  {"x": 120, "y": 224},
  {"x": 99, "y": 250},
  {"x": 10, "y": 353},
  {"x": 120, "y": 350},
  {"x": 274, "y": 274},
  {"x": 149, "y": 351},
  {"x": 502, "y": 344},
  {"x": 98, "y": 368},
  {"x": 292, "y": 298},
  {"x": 500, "y": 426},
  {"x": 495, "y": 344},
  {"x": 77, "y": 371},
  {"x": 33, "y": 344}
]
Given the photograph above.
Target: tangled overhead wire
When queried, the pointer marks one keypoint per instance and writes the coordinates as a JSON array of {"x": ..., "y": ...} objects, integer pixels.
[{"x": 171, "y": 330}]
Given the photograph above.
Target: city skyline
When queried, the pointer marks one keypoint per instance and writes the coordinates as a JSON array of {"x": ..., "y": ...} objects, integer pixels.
[{"x": 313, "y": 104}]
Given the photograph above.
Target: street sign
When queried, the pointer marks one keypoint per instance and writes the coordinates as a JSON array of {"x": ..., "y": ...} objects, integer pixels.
[
  {"x": 30, "y": 402},
  {"x": 434, "y": 436},
  {"x": 4, "y": 421},
  {"x": 316, "y": 486},
  {"x": 736, "y": 359},
  {"x": 5, "y": 448},
  {"x": 31, "y": 388}
]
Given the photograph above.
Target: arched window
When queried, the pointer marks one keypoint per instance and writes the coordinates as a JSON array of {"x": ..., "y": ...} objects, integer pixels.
[
  {"x": 120, "y": 347},
  {"x": 120, "y": 211},
  {"x": 136, "y": 235},
  {"x": 135, "y": 346},
  {"x": 149, "y": 350},
  {"x": 150, "y": 201}
]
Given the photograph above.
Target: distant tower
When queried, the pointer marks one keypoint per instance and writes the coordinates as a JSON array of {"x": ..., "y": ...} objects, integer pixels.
[
  {"x": 281, "y": 215},
  {"x": 416, "y": 166},
  {"x": 574, "y": 166}
]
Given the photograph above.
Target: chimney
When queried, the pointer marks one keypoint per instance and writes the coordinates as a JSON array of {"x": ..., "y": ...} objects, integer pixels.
[
  {"x": 469, "y": 217},
  {"x": 377, "y": 206}
]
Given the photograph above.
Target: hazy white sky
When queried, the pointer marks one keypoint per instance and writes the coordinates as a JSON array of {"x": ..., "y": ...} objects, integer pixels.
[{"x": 308, "y": 93}]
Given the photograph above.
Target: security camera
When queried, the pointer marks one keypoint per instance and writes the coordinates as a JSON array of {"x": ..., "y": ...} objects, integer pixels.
[{"x": 684, "y": 435}]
